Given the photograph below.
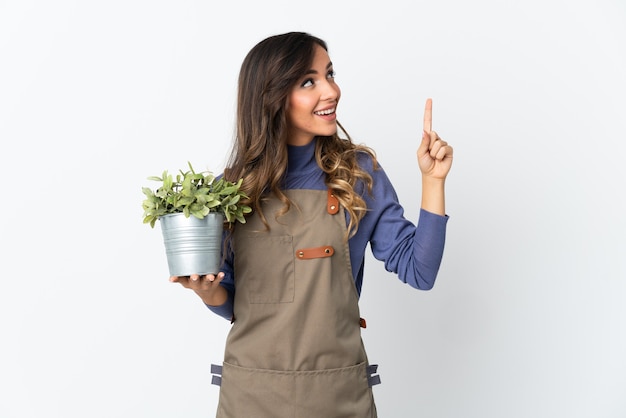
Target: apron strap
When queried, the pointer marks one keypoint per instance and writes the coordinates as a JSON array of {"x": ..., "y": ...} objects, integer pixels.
[
  {"x": 332, "y": 203},
  {"x": 317, "y": 252},
  {"x": 372, "y": 377},
  {"x": 216, "y": 371}
]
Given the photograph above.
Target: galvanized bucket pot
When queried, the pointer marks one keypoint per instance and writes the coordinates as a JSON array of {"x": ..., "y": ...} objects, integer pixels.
[{"x": 192, "y": 245}]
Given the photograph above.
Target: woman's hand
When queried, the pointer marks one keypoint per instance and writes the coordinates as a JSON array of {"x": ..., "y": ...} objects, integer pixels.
[
  {"x": 434, "y": 155},
  {"x": 206, "y": 286}
]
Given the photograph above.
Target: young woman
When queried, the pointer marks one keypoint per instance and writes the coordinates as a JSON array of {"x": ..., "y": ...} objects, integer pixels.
[{"x": 292, "y": 275}]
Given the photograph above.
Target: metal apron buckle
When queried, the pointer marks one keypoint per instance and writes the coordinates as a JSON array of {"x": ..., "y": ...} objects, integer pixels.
[
  {"x": 372, "y": 378},
  {"x": 216, "y": 371}
]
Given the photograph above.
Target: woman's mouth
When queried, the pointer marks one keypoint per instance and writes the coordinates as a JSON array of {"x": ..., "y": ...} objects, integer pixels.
[{"x": 325, "y": 112}]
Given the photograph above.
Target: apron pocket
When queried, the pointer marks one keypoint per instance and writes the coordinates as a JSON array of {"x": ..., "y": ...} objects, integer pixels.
[
  {"x": 259, "y": 393},
  {"x": 251, "y": 273},
  {"x": 255, "y": 393}
]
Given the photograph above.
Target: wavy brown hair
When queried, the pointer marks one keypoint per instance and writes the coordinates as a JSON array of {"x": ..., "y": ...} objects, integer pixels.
[{"x": 259, "y": 156}]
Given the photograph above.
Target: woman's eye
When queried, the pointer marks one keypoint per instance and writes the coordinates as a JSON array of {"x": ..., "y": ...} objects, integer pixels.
[
  {"x": 307, "y": 83},
  {"x": 331, "y": 74}
]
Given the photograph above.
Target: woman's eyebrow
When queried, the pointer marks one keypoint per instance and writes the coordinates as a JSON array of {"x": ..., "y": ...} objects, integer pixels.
[{"x": 312, "y": 71}]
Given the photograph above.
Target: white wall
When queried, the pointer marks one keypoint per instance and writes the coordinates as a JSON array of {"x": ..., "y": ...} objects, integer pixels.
[{"x": 527, "y": 317}]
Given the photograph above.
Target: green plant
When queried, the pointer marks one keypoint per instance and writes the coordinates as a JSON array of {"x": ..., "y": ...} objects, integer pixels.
[{"x": 196, "y": 194}]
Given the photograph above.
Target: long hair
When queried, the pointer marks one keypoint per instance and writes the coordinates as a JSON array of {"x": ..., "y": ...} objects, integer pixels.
[{"x": 259, "y": 156}]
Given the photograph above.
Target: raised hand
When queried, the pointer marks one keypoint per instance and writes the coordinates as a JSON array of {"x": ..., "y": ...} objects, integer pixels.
[{"x": 434, "y": 155}]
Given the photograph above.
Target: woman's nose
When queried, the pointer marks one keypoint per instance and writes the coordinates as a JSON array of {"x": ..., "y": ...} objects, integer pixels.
[{"x": 330, "y": 91}]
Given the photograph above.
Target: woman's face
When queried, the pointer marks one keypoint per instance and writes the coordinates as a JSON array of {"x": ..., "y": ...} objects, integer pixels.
[{"x": 313, "y": 101}]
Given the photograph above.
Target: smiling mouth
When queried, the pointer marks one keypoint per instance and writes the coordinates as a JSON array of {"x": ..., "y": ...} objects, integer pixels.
[{"x": 325, "y": 112}]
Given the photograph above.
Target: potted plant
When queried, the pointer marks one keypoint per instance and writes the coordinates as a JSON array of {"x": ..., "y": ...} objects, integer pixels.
[{"x": 193, "y": 209}]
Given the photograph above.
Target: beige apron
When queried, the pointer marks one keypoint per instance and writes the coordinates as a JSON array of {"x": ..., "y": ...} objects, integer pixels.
[{"x": 295, "y": 348}]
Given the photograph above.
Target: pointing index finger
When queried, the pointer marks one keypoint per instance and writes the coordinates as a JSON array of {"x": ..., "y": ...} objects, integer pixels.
[{"x": 428, "y": 115}]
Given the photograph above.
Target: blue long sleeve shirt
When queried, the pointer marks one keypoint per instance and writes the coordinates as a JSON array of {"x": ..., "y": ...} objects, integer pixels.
[{"x": 413, "y": 252}]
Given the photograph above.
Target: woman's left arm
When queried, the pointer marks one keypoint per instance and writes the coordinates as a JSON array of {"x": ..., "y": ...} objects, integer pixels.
[{"x": 413, "y": 252}]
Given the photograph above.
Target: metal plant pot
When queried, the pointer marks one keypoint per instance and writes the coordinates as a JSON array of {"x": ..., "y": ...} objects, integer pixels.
[{"x": 192, "y": 245}]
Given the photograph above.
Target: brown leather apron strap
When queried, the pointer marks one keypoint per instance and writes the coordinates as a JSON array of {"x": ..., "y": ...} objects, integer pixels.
[
  {"x": 317, "y": 252},
  {"x": 332, "y": 203}
]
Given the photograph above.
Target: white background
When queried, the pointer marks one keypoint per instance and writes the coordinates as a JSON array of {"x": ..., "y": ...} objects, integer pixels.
[{"x": 527, "y": 318}]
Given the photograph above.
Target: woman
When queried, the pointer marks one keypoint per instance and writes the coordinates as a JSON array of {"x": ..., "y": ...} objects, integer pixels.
[{"x": 292, "y": 274}]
